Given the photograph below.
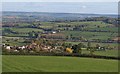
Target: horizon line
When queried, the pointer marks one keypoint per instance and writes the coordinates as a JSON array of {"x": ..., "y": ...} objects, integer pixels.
[{"x": 64, "y": 12}]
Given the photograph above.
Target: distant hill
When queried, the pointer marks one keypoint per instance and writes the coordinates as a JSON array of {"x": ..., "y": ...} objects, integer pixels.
[{"x": 46, "y": 16}]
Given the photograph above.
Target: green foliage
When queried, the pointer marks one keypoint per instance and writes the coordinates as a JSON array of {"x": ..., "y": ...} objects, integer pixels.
[
  {"x": 33, "y": 34},
  {"x": 77, "y": 48},
  {"x": 89, "y": 44},
  {"x": 67, "y": 45}
]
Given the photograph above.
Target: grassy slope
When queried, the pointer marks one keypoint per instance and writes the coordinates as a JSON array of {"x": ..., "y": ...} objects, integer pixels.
[
  {"x": 25, "y": 30},
  {"x": 0, "y": 64},
  {"x": 89, "y": 35},
  {"x": 104, "y": 53},
  {"x": 57, "y": 64}
]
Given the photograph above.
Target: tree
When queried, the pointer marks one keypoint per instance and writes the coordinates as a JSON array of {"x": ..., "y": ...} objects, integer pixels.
[
  {"x": 75, "y": 48},
  {"x": 97, "y": 46},
  {"x": 31, "y": 34},
  {"x": 38, "y": 48},
  {"x": 36, "y": 35},
  {"x": 37, "y": 42},
  {"x": 90, "y": 48},
  {"x": 79, "y": 46},
  {"x": 67, "y": 37},
  {"x": 88, "y": 45},
  {"x": 7, "y": 30},
  {"x": 71, "y": 36},
  {"x": 67, "y": 45}
]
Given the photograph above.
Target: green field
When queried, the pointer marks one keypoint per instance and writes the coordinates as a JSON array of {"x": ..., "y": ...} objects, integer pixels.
[
  {"x": 56, "y": 26},
  {"x": 91, "y": 35},
  {"x": 57, "y": 64},
  {"x": 113, "y": 53},
  {"x": 0, "y": 64},
  {"x": 18, "y": 41},
  {"x": 24, "y": 30}
]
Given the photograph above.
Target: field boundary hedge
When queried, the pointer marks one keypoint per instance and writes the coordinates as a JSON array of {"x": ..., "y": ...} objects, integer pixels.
[{"x": 64, "y": 54}]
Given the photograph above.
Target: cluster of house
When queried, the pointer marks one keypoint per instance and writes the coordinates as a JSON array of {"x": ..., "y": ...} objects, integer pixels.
[{"x": 32, "y": 47}]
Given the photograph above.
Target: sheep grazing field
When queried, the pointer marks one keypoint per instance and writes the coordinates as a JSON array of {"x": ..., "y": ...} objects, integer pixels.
[{"x": 56, "y": 64}]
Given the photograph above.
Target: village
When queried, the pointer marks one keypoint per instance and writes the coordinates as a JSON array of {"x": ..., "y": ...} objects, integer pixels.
[{"x": 54, "y": 46}]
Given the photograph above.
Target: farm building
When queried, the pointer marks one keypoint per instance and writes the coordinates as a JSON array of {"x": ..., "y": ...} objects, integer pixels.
[{"x": 117, "y": 39}]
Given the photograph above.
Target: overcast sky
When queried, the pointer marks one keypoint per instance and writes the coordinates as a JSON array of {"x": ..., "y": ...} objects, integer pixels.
[
  {"x": 63, "y": 7},
  {"x": 60, "y": 0}
]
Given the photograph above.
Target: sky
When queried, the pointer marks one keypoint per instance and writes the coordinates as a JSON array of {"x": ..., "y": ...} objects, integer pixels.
[
  {"x": 59, "y": 0},
  {"x": 62, "y": 7}
]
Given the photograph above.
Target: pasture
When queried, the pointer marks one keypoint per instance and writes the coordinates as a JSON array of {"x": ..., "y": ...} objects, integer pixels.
[
  {"x": 113, "y": 53},
  {"x": 24, "y": 28},
  {"x": 91, "y": 35},
  {"x": 57, "y": 64}
]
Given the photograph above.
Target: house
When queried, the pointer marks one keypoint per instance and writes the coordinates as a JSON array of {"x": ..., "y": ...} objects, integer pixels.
[
  {"x": 22, "y": 47},
  {"x": 53, "y": 32},
  {"x": 101, "y": 48},
  {"x": 8, "y": 47},
  {"x": 116, "y": 39}
]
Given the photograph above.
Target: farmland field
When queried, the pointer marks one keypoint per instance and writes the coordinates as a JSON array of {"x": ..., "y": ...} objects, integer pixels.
[
  {"x": 113, "y": 53},
  {"x": 23, "y": 31},
  {"x": 91, "y": 35},
  {"x": 57, "y": 64}
]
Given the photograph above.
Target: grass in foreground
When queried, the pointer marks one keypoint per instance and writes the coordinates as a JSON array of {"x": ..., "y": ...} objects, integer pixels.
[{"x": 57, "y": 64}]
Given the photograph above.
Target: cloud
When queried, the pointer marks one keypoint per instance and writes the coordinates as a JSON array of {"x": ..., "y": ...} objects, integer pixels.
[
  {"x": 84, "y": 7},
  {"x": 60, "y": 0}
]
